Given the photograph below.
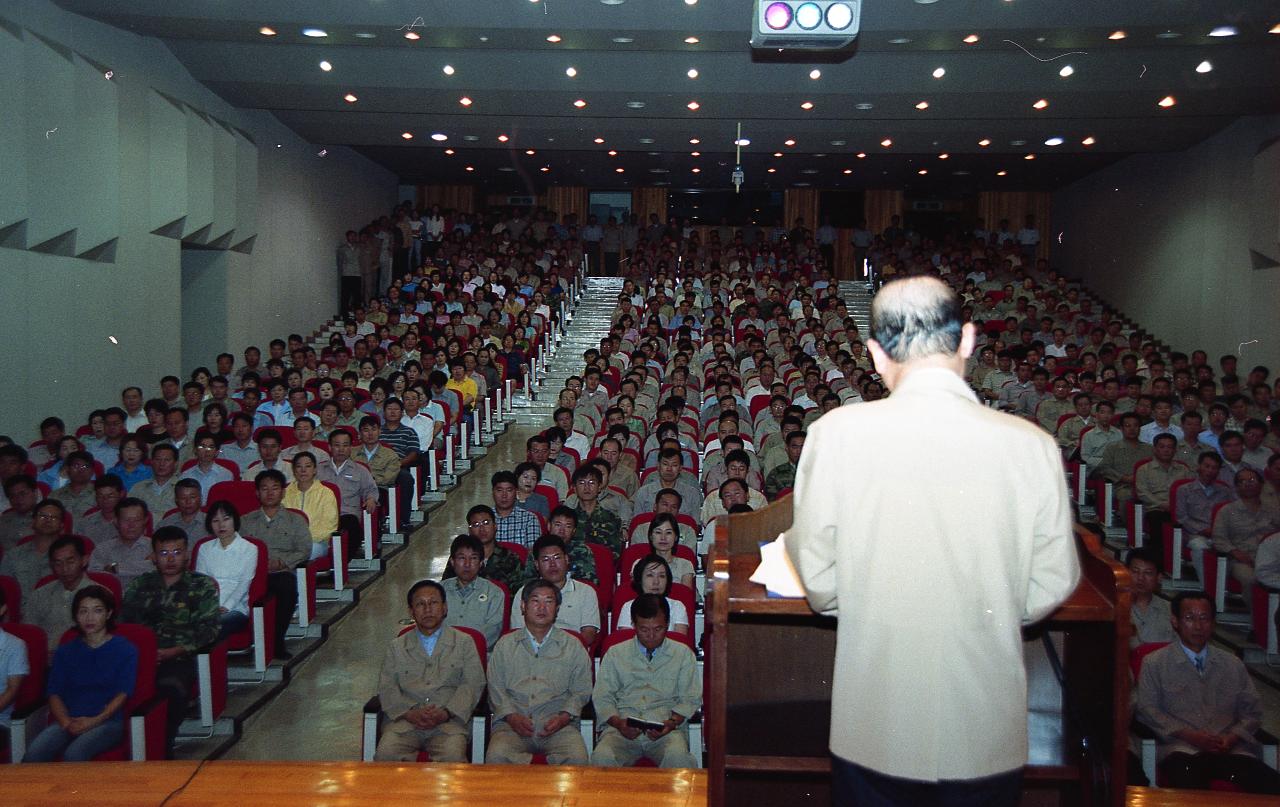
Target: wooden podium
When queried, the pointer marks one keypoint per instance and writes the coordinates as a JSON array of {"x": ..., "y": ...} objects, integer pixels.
[{"x": 769, "y": 664}]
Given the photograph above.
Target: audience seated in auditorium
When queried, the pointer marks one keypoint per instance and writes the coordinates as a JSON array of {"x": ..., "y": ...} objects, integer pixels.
[
  {"x": 309, "y": 495},
  {"x": 1241, "y": 524},
  {"x": 48, "y": 607},
  {"x": 129, "y": 553},
  {"x": 158, "y": 492},
  {"x": 501, "y": 565},
  {"x": 539, "y": 681},
  {"x": 1150, "y": 614},
  {"x": 188, "y": 513},
  {"x": 430, "y": 683},
  {"x": 515, "y": 525},
  {"x": 652, "y": 575}
]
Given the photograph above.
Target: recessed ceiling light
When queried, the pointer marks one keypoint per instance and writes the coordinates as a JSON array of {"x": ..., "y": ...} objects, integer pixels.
[
  {"x": 407, "y": 135},
  {"x": 326, "y": 66},
  {"x": 695, "y": 154},
  {"x": 864, "y": 106},
  {"x": 1066, "y": 70},
  {"x": 623, "y": 40},
  {"x": 939, "y": 72},
  {"x": 571, "y": 71},
  {"x": 635, "y": 104},
  {"x": 439, "y": 137},
  {"x": 412, "y": 35},
  {"x": 944, "y": 156},
  {"x": 742, "y": 141},
  {"x": 1088, "y": 141},
  {"x": 544, "y": 169},
  {"x": 599, "y": 140},
  {"x": 612, "y": 2},
  {"x": 579, "y": 103},
  {"x": 484, "y": 39},
  {"x": 506, "y": 169},
  {"x": 471, "y": 168},
  {"x": 694, "y": 105},
  {"x": 1029, "y": 157},
  {"x": 1041, "y": 104},
  {"x": 696, "y": 170},
  {"x": 923, "y": 105},
  {"x": 315, "y": 33},
  {"x": 690, "y": 40},
  {"x": 658, "y": 171},
  {"x": 1204, "y": 67},
  {"x": 788, "y": 142},
  {"x": 861, "y": 155},
  {"x": 470, "y": 138},
  {"x": 465, "y": 101},
  {"x": 900, "y": 40},
  {"x": 815, "y": 74},
  {"x": 809, "y": 171},
  {"x": 970, "y": 39},
  {"x": 1168, "y": 35},
  {"x": 984, "y": 142},
  {"x": 365, "y": 35},
  {"x": 693, "y": 141},
  {"x": 693, "y": 72},
  {"x": 838, "y": 142},
  {"x": 448, "y": 70},
  {"x": 1002, "y": 173},
  {"x": 1017, "y": 142},
  {"x": 848, "y": 170},
  {"x": 646, "y": 140},
  {"x": 803, "y": 184},
  {"x": 350, "y": 98},
  {"x": 1275, "y": 29},
  {"x": 613, "y": 153},
  {"x": 1224, "y": 30},
  {"x": 529, "y": 152},
  {"x": 923, "y": 171},
  {"x": 960, "y": 173},
  {"x": 503, "y": 138},
  {"x": 886, "y": 142},
  {"x": 773, "y": 170},
  {"x": 807, "y": 105},
  {"x": 449, "y": 152},
  {"x": 1054, "y": 141},
  {"x": 267, "y": 30},
  {"x": 1116, "y": 35},
  {"x": 1167, "y": 101},
  {"x": 553, "y": 38},
  {"x": 777, "y": 154}
]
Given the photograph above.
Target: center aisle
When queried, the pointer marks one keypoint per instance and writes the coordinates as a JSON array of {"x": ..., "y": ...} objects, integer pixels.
[{"x": 318, "y": 716}]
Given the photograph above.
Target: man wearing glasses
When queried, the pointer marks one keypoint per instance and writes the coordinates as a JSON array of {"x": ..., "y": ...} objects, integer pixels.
[
  {"x": 181, "y": 606},
  {"x": 77, "y": 495},
  {"x": 129, "y": 554},
  {"x": 579, "y": 606},
  {"x": 596, "y": 524},
  {"x": 29, "y": 562},
  {"x": 500, "y": 564}
]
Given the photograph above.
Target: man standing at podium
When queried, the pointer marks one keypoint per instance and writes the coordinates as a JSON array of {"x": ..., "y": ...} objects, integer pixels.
[{"x": 936, "y": 528}]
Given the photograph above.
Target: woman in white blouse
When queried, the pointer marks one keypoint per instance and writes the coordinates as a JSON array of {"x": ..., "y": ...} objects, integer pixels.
[
  {"x": 652, "y": 575},
  {"x": 232, "y": 562}
]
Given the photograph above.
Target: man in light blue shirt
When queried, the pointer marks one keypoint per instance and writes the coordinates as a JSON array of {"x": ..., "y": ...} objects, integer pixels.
[{"x": 207, "y": 472}]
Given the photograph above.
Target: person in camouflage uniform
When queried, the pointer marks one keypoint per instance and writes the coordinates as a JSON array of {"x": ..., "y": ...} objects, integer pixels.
[
  {"x": 501, "y": 565},
  {"x": 181, "y": 607},
  {"x": 784, "y": 476},
  {"x": 596, "y": 525},
  {"x": 582, "y": 563}
]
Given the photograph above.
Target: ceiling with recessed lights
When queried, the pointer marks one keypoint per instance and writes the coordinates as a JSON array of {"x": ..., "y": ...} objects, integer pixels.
[{"x": 520, "y": 94}]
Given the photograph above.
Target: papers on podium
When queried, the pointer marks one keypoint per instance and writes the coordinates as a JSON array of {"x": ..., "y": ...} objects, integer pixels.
[{"x": 775, "y": 571}]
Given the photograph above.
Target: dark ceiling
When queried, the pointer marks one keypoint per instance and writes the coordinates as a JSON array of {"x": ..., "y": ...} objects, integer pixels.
[{"x": 637, "y": 91}]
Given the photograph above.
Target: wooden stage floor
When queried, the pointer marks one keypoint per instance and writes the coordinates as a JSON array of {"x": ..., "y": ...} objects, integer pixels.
[{"x": 284, "y": 784}]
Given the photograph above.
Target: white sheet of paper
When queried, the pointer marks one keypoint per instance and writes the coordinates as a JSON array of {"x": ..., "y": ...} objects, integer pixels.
[{"x": 775, "y": 571}]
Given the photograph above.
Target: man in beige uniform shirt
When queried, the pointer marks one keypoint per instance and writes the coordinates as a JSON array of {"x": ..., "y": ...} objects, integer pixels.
[
  {"x": 926, "y": 644},
  {"x": 539, "y": 680},
  {"x": 1152, "y": 481},
  {"x": 49, "y": 606},
  {"x": 430, "y": 684},
  {"x": 1118, "y": 459},
  {"x": 1240, "y": 525},
  {"x": 649, "y": 679}
]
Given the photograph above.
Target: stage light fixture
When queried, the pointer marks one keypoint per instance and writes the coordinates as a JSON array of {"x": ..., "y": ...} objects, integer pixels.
[{"x": 805, "y": 24}]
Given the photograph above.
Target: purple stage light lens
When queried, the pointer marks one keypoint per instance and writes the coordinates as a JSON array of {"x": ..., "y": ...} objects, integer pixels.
[{"x": 777, "y": 16}]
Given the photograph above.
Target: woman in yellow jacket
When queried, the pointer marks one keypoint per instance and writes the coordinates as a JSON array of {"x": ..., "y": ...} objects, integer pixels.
[{"x": 317, "y": 501}]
